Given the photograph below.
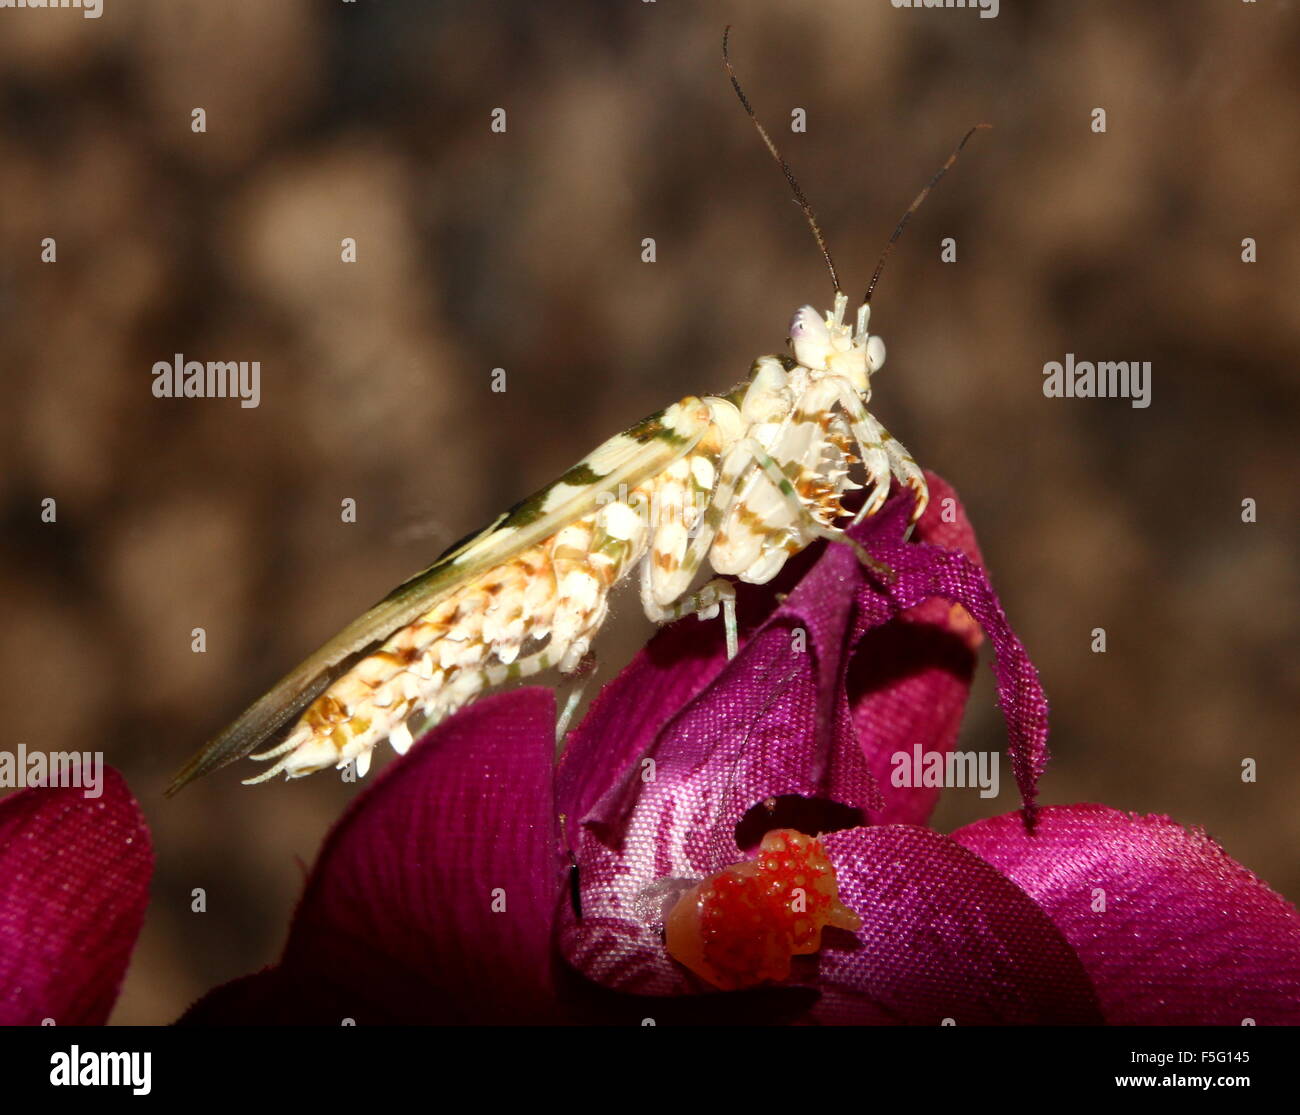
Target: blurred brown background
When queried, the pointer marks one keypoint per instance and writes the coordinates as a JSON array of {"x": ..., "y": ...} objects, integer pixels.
[{"x": 522, "y": 250}]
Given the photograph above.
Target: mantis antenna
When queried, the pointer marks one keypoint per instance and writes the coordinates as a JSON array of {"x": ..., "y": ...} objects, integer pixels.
[
  {"x": 916, "y": 204},
  {"x": 785, "y": 167}
]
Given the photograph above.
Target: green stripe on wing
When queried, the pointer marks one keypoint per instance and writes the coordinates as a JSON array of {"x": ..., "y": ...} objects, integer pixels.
[{"x": 628, "y": 459}]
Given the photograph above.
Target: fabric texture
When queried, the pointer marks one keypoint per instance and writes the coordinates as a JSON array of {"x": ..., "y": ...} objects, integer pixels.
[
  {"x": 478, "y": 882},
  {"x": 74, "y": 884},
  {"x": 685, "y": 760}
]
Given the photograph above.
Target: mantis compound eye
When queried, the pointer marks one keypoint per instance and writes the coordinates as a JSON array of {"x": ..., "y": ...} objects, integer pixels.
[
  {"x": 809, "y": 338},
  {"x": 875, "y": 354}
]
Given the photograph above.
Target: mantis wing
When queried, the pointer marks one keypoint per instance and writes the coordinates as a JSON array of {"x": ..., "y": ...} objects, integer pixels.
[{"x": 629, "y": 459}]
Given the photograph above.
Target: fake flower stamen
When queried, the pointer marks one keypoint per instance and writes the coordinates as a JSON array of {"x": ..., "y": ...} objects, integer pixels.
[{"x": 740, "y": 927}]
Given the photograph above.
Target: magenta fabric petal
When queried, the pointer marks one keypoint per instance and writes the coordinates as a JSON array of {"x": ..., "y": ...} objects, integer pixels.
[
  {"x": 630, "y": 711},
  {"x": 907, "y": 681},
  {"x": 776, "y": 723},
  {"x": 675, "y": 814},
  {"x": 1187, "y": 935},
  {"x": 653, "y": 788},
  {"x": 74, "y": 884},
  {"x": 433, "y": 898},
  {"x": 944, "y": 936},
  {"x": 924, "y": 572}
]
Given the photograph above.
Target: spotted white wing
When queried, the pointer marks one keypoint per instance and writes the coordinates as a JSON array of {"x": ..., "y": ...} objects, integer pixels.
[{"x": 627, "y": 459}]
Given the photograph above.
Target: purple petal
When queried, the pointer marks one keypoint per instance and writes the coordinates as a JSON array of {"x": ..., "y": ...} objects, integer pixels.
[
  {"x": 908, "y": 680},
  {"x": 773, "y": 724},
  {"x": 74, "y": 884},
  {"x": 944, "y": 936},
  {"x": 629, "y": 713},
  {"x": 905, "y": 657},
  {"x": 401, "y": 919},
  {"x": 744, "y": 738},
  {"x": 924, "y": 572},
  {"x": 1187, "y": 936},
  {"x": 675, "y": 815},
  {"x": 927, "y": 660}
]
